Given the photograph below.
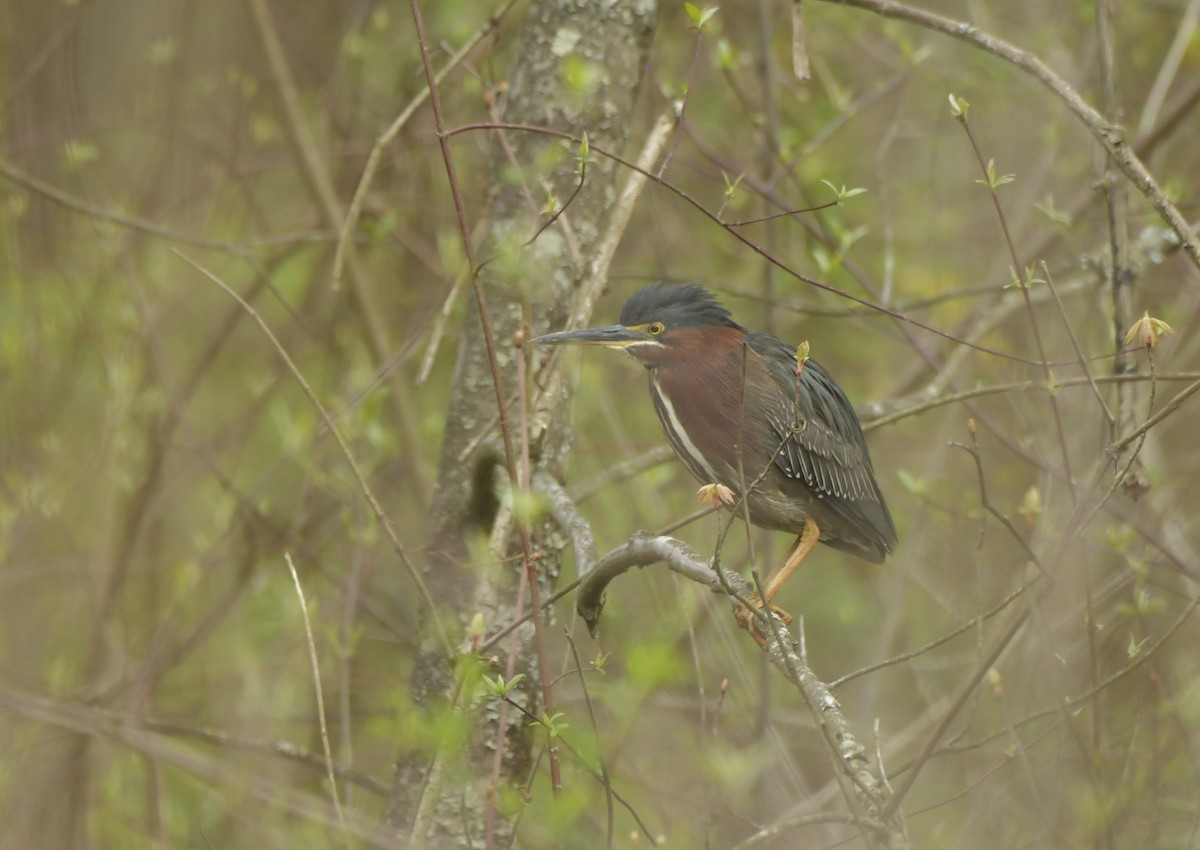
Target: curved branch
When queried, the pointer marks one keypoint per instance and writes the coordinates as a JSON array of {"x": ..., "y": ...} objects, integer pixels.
[
  {"x": 1110, "y": 136},
  {"x": 871, "y": 795}
]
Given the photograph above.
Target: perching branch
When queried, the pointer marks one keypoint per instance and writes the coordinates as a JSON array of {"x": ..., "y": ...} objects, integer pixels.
[{"x": 871, "y": 796}]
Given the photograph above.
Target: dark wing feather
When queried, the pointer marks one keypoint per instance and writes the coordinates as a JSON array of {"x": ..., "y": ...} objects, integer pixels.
[{"x": 825, "y": 447}]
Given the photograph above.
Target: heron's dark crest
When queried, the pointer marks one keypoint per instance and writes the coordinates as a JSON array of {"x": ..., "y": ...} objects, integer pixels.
[{"x": 675, "y": 305}]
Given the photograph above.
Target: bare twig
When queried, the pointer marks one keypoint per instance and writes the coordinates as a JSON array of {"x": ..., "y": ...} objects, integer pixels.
[
  {"x": 745, "y": 240},
  {"x": 1110, "y": 136},
  {"x": 799, "y": 42},
  {"x": 75, "y": 204},
  {"x": 1153, "y": 103},
  {"x": 1166, "y": 410},
  {"x": 585, "y": 297},
  {"x": 1118, "y": 263},
  {"x": 1021, "y": 276},
  {"x": 568, "y": 517},
  {"x": 320, "y": 185},
  {"x": 933, "y": 644},
  {"x": 280, "y": 748},
  {"x": 510, "y": 458},
  {"x": 986, "y": 503},
  {"x": 1000, "y": 389},
  {"x": 368, "y": 494},
  {"x": 389, "y": 135},
  {"x": 595, "y": 772},
  {"x": 1082, "y": 358},
  {"x": 960, "y": 700},
  {"x": 601, "y": 767},
  {"x": 320, "y": 692},
  {"x": 214, "y": 768}
]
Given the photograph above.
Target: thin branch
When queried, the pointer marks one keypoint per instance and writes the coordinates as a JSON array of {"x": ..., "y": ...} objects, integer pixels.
[
  {"x": 999, "y": 389},
  {"x": 74, "y": 204},
  {"x": 587, "y": 766},
  {"x": 622, "y": 471},
  {"x": 320, "y": 692},
  {"x": 988, "y": 507},
  {"x": 784, "y": 214},
  {"x": 782, "y": 827},
  {"x": 1153, "y": 102},
  {"x": 933, "y": 644},
  {"x": 216, "y": 769},
  {"x": 320, "y": 185},
  {"x": 960, "y": 700},
  {"x": 597, "y": 277},
  {"x": 510, "y": 458},
  {"x": 1022, "y": 278},
  {"x": 1109, "y": 135},
  {"x": 1167, "y": 409},
  {"x": 643, "y": 550},
  {"x": 283, "y": 749},
  {"x": 389, "y": 135},
  {"x": 568, "y": 517},
  {"x": 363, "y": 486},
  {"x": 749, "y": 243},
  {"x": 1082, "y": 358},
  {"x": 591, "y": 710}
]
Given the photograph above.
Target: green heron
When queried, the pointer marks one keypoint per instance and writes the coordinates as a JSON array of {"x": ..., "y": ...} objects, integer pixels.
[{"x": 717, "y": 386}]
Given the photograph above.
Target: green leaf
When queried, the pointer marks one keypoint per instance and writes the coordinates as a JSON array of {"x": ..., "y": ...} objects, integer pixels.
[
  {"x": 914, "y": 484},
  {"x": 823, "y": 260},
  {"x": 79, "y": 152},
  {"x": 731, "y": 186},
  {"x": 699, "y": 17},
  {"x": 842, "y": 192},
  {"x": 528, "y": 506},
  {"x": 993, "y": 180},
  {"x": 1120, "y": 537},
  {"x": 551, "y": 724},
  {"x": 500, "y": 687},
  {"x": 1135, "y": 646},
  {"x": 726, "y": 56},
  {"x": 1047, "y": 207}
]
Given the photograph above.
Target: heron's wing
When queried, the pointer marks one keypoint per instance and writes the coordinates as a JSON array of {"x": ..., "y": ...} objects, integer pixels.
[{"x": 822, "y": 443}]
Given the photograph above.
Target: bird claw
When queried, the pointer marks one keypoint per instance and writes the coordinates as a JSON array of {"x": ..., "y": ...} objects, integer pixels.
[
  {"x": 745, "y": 618},
  {"x": 715, "y": 495}
]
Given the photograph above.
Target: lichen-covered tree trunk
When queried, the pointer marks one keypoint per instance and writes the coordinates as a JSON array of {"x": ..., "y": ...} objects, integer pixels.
[{"x": 578, "y": 68}]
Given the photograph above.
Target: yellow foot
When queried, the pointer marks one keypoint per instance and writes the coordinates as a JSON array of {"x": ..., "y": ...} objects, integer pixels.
[
  {"x": 745, "y": 618},
  {"x": 715, "y": 495}
]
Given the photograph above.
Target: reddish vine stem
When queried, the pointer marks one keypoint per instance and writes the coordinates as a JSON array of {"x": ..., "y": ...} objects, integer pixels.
[{"x": 489, "y": 340}]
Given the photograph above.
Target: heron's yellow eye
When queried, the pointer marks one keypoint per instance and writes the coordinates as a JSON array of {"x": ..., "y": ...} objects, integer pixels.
[{"x": 655, "y": 328}]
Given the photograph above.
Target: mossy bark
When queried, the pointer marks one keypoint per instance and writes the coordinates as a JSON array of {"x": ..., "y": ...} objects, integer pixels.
[{"x": 578, "y": 69}]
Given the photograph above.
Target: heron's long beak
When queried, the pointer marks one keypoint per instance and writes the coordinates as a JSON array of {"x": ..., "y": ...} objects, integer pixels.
[{"x": 613, "y": 336}]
